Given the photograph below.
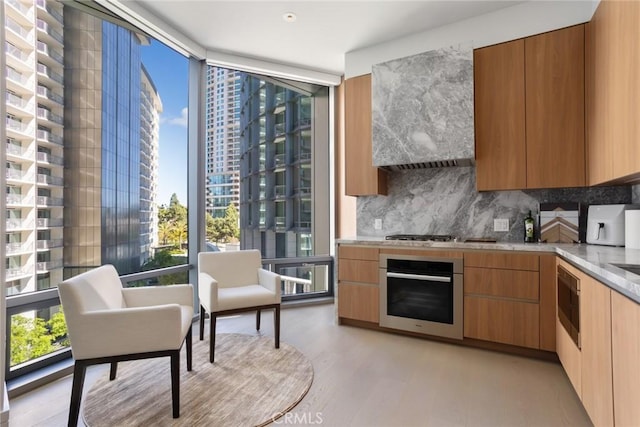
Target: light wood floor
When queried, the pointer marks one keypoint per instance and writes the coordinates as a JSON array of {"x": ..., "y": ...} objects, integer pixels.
[{"x": 369, "y": 378}]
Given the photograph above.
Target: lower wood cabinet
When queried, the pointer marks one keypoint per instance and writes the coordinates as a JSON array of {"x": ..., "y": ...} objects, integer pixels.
[
  {"x": 591, "y": 367},
  {"x": 358, "y": 290},
  {"x": 570, "y": 357},
  {"x": 501, "y": 320},
  {"x": 502, "y": 298},
  {"x": 625, "y": 350},
  {"x": 595, "y": 333},
  {"x": 359, "y": 302}
]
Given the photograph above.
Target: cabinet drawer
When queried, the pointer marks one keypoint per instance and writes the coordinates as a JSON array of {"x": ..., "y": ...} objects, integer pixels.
[
  {"x": 360, "y": 302},
  {"x": 502, "y": 283},
  {"x": 504, "y": 321},
  {"x": 358, "y": 252},
  {"x": 353, "y": 270},
  {"x": 504, "y": 260}
]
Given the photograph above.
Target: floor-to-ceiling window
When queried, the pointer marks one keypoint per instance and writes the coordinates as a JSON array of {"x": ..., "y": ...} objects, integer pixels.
[
  {"x": 269, "y": 136},
  {"x": 96, "y": 169}
]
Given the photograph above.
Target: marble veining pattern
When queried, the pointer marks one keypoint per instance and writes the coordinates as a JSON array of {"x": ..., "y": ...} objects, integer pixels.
[
  {"x": 593, "y": 259},
  {"x": 422, "y": 107},
  {"x": 445, "y": 201}
]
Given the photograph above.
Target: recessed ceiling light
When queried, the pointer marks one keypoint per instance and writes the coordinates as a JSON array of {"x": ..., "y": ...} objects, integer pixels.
[{"x": 289, "y": 17}]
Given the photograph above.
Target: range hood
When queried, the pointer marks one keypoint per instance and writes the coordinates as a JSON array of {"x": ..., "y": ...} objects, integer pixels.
[{"x": 422, "y": 110}]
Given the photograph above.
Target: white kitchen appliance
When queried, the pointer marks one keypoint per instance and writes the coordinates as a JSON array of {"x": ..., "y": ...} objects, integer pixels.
[{"x": 605, "y": 224}]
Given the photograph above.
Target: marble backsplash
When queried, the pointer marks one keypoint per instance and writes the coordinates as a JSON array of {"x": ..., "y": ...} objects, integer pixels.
[
  {"x": 445, "y": 201},
  {"x": 422, "y": 107}
]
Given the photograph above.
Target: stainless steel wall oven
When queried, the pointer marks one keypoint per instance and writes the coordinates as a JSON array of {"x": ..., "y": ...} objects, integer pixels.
[{"x": 422, "y": 294}]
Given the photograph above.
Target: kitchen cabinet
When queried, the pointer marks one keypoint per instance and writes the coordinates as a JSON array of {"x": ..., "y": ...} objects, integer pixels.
[
  {"x": 590, "y": 367},
  {"x": 595, "y": 332},
  {"x": 613, "y": 92},
  {"x": 502, "y": 298},
  {"x": 529, "y": 112},
  {"x": 361, "y": 177},
  {"x": 358, "y": 290},
  {"x": 498, "y": 73},
  {"x": 567, "y": 350},
  {"x": 625, "y": 350},
  {"x": 548, "y": 302}
]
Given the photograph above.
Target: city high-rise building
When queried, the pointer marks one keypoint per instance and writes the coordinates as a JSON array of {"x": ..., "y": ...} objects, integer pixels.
[
  {"x": 34, "y": 146},
  {"x": 110, "y": 146},
  {"x": 275, "y": 169},
  {"x": 150, "y": 109},
  {"x": 223, "y": 140},
  {"x": 81, "y": 164}
]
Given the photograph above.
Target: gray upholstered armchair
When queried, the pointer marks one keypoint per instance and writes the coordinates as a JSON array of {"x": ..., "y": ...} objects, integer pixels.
[
  {"x": 234, "y": 282},
  {"x": 107, "y": 323}
]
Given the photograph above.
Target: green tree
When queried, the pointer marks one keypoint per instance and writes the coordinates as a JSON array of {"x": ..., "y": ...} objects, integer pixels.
[
  {"x": 232, "y": 222},
  {"x": 225, "y": 229},
  {"x": 35, "y": 337},
  {"x": 172, "y": 222}
]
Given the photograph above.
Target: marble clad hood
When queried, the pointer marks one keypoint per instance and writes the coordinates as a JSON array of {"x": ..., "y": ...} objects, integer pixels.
[{"x": 422, "y": 110}]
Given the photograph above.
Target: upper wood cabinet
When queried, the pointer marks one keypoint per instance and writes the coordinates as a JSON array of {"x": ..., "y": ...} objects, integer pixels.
[
  {"x": 361, "y": 177},
  {"x": 498, "y": 73},
  {"x": 529, "y": 112},
  {"x": 613, "y": 90},
  {"x": 554, "y": 99}
]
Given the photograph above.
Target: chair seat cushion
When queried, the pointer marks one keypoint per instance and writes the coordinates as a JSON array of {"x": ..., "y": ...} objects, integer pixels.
[{"x": 243, "y": 297}]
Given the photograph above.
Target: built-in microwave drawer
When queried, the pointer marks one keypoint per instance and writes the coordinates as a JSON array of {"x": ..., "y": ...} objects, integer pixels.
[{"x": 569, "y": 303}]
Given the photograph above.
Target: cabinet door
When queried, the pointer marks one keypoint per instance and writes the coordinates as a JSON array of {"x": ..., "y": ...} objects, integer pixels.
[
  {"x": 570, "y": 357},
  {"x": 625, "y": 342},
  {"x": 361, "y": 177},
  {"x": 614, "y": 153},
  {"x": 554, "y": 69},
  {"x": 500, "y": 116},
  {"x": 595, "y": 331},
  {"x": 504, "y": 321},
  {"x": 359, "y": 302}
]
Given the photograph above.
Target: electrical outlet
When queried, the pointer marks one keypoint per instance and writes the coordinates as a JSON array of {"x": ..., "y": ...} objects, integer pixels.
[
  {"x": 377, "y": 224},
  {"x": 501, "y": 224}
]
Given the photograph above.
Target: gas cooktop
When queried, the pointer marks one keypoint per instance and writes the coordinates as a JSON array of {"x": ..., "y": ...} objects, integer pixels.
[{"x": 421, "y": 237}]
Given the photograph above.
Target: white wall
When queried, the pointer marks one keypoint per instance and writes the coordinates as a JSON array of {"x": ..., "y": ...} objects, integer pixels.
[{"x": 521, "y": 20}]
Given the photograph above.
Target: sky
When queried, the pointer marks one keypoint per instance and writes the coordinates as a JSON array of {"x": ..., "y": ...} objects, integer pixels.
[{"x": 169, "y": 71}]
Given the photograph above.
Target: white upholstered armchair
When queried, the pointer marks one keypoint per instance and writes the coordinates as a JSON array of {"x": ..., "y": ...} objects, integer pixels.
[
  {"x": 234, "y": 282},
  {"x": 107, "y": 323}
]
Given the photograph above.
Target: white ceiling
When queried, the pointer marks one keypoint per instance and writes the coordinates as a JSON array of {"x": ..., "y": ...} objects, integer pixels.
[{"x": 323, "y": 32}]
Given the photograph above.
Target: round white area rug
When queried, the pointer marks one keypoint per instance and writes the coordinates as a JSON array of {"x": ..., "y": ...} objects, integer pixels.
[{"x": 251, "y": 383}]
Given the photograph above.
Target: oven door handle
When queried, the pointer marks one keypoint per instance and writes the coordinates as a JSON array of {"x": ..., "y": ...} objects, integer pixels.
[{"x": 419, "y": 277}]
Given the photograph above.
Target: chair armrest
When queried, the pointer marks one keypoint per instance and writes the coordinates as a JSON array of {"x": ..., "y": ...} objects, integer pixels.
[
  {"x": 158, "y": 295},
  {"x": 127, "y": 331},
  {"x": 271, "y": 281},
  {"x": 207, "y": 291}
]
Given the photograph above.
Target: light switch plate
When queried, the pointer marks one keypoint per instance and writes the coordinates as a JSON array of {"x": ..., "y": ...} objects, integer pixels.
[
  {"x": 377, "y": 224},
  {"x": 501, "y": 224}
]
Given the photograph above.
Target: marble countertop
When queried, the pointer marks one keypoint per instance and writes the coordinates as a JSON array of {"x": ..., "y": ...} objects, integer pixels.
[{"x": 598, "y": 261}]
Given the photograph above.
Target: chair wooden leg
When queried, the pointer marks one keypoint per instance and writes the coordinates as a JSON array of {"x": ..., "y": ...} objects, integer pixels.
[
  {"x": 189, "y": 347},
  {"x": 212, "y": 341},
  {"x": 201, "y": 322},
  {"x": 175, "y": 383},
  {"x": 79, "y": 370},
  {"x": 113, "y": 371},
  {"x": 276, "y": 324},
  {"x": 258, "y": 320}
]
